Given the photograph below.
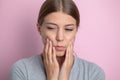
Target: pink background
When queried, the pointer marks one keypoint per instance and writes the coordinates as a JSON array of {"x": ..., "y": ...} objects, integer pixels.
[{"x": 98, "y": 39}]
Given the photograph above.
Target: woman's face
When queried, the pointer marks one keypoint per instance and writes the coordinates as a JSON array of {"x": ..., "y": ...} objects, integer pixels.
[{"x": 60, "y": 29}]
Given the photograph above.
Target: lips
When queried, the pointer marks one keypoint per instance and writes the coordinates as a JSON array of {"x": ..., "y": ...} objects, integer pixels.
[{"x": 60, "y": 48}]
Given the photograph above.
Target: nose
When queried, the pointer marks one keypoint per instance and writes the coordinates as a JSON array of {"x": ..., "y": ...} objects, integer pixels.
[{"x": 60, "y": 35}]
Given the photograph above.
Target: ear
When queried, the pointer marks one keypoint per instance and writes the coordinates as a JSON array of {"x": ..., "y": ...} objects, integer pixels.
[{"x": 38, "y": 28}]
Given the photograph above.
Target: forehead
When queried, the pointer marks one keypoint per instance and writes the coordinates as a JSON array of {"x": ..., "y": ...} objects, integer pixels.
[{"x": 59, "y": 18}]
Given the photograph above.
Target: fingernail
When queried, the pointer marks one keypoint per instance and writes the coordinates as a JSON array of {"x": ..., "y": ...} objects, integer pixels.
[
  {"x": 53, "y": 48},
  {"x": 47, "y": 39},
  {"x": 50, "y": 41}
]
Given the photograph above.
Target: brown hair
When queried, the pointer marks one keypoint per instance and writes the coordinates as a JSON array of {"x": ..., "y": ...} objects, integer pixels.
[{"x": 66, "y": 6}]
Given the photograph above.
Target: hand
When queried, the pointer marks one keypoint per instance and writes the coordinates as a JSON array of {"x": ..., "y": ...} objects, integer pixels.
[
  {"x": 67, "y": 65},
  {"x": 50, "y": 61}
]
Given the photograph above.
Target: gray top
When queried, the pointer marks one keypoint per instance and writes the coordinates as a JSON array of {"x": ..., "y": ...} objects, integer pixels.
[{"x": 33, "y": 69}]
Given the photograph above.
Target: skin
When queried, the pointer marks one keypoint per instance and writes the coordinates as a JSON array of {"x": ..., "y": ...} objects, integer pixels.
[{"x": 58, "y": 29}]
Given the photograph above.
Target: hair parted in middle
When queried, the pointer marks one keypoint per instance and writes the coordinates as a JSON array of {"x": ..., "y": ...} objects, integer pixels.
[{"x": 66, "y": 6}]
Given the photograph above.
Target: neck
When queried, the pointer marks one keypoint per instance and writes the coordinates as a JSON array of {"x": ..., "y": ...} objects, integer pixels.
[{"x": 60, "y": 60}]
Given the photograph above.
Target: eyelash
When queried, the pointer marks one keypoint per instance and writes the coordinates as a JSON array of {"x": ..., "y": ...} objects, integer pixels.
[
  {"x": 50, "y": 28},
  {"x": 69, "y": 29}
]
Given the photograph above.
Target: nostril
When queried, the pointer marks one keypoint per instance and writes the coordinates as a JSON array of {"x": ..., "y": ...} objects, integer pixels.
[{"x": 59, "y": 37}]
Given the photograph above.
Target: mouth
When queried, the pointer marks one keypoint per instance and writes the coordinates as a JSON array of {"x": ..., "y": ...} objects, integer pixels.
[{"x": 60, "y": 48}]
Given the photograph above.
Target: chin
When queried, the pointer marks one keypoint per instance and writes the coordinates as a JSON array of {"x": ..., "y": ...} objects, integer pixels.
[{"x": 60, "y": 53}]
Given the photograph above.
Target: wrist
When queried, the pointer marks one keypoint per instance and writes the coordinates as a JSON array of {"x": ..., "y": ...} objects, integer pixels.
[
  {"x": 52, "y": 79},
  {"x": 63, "y": 78}
]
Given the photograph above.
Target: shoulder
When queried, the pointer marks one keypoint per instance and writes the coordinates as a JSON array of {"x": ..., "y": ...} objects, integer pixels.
[
  {"x": 93, "y": 70},
  {"x": 28, "y": 61},
  {"x": 26, "y": 66}
]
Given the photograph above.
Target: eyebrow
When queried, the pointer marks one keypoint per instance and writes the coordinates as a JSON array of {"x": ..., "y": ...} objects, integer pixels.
[
  {"x": 49, "y": 23},
  {"x": 70, "y": 25}
]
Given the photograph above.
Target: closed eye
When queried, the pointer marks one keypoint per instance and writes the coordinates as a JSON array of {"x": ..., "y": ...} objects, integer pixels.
[
  {"x": 50, "y": 28},
  {"x": 69, "y": 29}
]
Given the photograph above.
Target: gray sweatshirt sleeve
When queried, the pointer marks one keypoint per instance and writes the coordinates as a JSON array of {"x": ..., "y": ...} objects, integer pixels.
[
  {"x": 96, "y": 73},
  {"x": 18, "y": 71}
]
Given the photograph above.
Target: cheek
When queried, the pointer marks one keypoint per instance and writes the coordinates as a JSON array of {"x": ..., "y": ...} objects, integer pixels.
[
  {"x": 70, "y": 38},
  {"x": 48, "y": 35},
  {"x": 43, "y": 36}
]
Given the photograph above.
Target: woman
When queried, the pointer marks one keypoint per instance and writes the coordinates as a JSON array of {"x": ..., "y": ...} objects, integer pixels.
[{"x": 58, "y": 23}]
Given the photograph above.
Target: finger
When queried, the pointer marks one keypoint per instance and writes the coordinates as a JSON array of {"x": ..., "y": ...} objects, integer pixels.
[
  {"x": 46, "y": 50},
  {"x": 67, "y": 54},
  {"x": 46, "y": 46},
  {"x": 46, "y": 41},
  {"x": 50, "y": 52},
  {"x": 71, "y": 58},
  {"x": 54, "y": 55},
  {"x": 71, "y": 50}
]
